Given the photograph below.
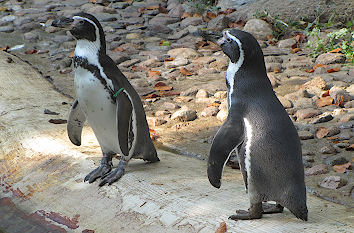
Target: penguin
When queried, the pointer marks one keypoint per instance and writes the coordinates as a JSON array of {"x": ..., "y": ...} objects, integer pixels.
[
  {"x": 261, "y": 132},
  {"x": 106, "y": 100}
]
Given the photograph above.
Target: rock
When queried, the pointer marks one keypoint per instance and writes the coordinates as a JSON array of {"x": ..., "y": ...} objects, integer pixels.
[
  {"x": 301, "y": 62},
  {"x": 209, "y": 111},
  {"x": 31, "y": 36},
  {"x": 323, "y": 118},
  {"x": 178, "y": 35},
  {"x": 339, "y": 95},
  {"x": 202, "y": 93},
  {"x": 206, "y": 100},
  {"x": 317, "y": 170},
  {"x": 204, "y": 60},
  {"x": 220, "y": 22},
  {"x": 155, "y": 121},
  {"x": 220, "y": 94},
  {"x": 285, "y": 102},
  {"x": 349, "y": 104},
  {"x": 305, "y": 135},
  {"x": 273, "y": 67},
  {"x": 189, "y": 92},
  {"x": 132, "y": 36},
  {"x": 335, "y": 160},
  {"x": 162, "y": 113},
  {"x": 118, "y": 57},
  {"x": 287, "y": 43},
  {"x": 258, "y": 28},
  {"x": 307, "y": 113},
  {"x": 328, "y": 149},
  {"x": 345, "y": 135},
  {"x": 191, "y": 21},
  {"x": 129, "y": 63},
  {"x": 182, "y": 99},
  {"x": 151, "y": 63},
  {"x": 176, "y": 11},
  {"x": 206, "y": 71},
  {"x": 220, "y": 64},
  {"x": 316, "y": 81},
  {"x": 186, "y": 53},
  {"x": 7, "y": 29},
  {"x": 176, "y": 63},
  {"x": 333, "y": 182},
  {"x": 222, "y": 115},
  {"x": 327, "y": 132},
  {"x": 273, "y": 80},
  {"x": 169, "y": 106},
  {"x": 346, "y": 125},
  {"x": 330, "y": 58},
  {"x": 347, "y": 117},
  {"x": 163, "y": 20},
  {"x": 184, "y": 115}
]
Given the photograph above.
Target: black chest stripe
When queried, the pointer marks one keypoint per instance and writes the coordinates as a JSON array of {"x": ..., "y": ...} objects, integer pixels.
[{"x": 83, "y": 63}]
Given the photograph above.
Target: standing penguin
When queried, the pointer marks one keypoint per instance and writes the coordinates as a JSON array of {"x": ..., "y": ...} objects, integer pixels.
[
  {"x": 261, "y": 132},
  {"x": 107, "y": 100}
]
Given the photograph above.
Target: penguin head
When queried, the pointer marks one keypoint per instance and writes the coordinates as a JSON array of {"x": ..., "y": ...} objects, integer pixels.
[
  {"x": 84, "y": 27},
  {"x": 241, "y": 47}
]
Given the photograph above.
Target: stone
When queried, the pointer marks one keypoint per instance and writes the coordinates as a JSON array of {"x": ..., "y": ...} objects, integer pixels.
[
  {"x": 204, "y": 60},
  {"x": 220, "y": 64},
  {"x": 347, "y": 117},
  {"x": 345, "y": 135},
  {"x": 220, "y": 22},
  {"x": 151, "y": 62},
  {"x": 169, "y": 106},
  {"x": 31, "y": 36},
  {"x": 325, "y": 117},
  {"x": 186, "y": 53},
  {"x": 191, "y": 21},
  {"x": 330, "y": 58},
  {"x": 7, "y": 29},
  {"x": 335, "y": 160},
  {"x": 176, "y": 11},
  {"x": 333, "y": 182},
  {"x": 273, "y": 80},
  {"x": 287, "y": 43},
  {"x": 163, "y": 113},
  {"x": 349, "y": 104},
  {"x": 182, "y": 99},
  {"x": 184, "y": 115},
  {"x": 176, "y": 63},
  {"x": 118, "y": 57},
  {"x": 202, "y": 93},
  {"x": 285, "y": 102},
  {"x": 258, "y": 28},
  {"x": 339, "y": 95},
  {"x": 220, "y": 94},
  {"x": 316, "y": 81},
  {"x": 273, "y": 67},
  {"x": 346, "y": 125},
  {"x": 222, "y": 115},
  {"x": 307, "y": 113},
  {"x": 305, "y": 135},
  {"x": 206, "y": 71},
  {"x": 317, "y": 170},
  {"x": 301, "y": 62},
  {"x": 129, "y": 63},
  {"x": 132, "y": 36},
  {"x": 8, "y": 18},
  {"x": 155, "y": 121},
  {"x": 178, "y": 35},
  {"x": 209, "y": 111},
  {"x": 163, "y": 20},
  {"x": 328, "y": 149},
  {"x": 206, "y": 100}
]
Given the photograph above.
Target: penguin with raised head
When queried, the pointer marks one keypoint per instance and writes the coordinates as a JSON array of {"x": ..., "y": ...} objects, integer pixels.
[
  {"x": 107, "y": 100},
  {"x": 261, "y": 132}
]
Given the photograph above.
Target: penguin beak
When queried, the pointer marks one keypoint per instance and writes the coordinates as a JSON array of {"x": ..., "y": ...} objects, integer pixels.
[
  {"x": 223, "y": 39},
  {"x": 63, "y": 22}
]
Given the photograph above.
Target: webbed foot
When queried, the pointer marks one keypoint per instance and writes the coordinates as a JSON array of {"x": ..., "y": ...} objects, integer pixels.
[
  {"x": 269, "y": 208},
  {"x": 114, "y": 175},
  {"x": 255, "y": 212},
  {"x": 102, "y": 170}
]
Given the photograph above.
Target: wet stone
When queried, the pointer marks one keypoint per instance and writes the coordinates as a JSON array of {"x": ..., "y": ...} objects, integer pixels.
[{"x": 333, "y": 182}]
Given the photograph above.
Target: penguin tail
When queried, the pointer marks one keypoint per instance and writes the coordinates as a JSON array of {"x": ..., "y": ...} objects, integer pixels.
[{"x": 301, "y": 213}]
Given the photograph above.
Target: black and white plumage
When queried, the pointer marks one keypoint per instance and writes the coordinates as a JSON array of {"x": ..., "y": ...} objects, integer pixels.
[
  {"x": 261, "y": 132},
  {"x": 107, "y": 100}
]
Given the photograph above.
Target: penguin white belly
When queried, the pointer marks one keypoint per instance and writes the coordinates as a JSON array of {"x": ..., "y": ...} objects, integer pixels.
[{"x": 100, "y": 112}]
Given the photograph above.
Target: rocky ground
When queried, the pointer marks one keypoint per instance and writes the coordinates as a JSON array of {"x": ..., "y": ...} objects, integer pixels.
[{"x": 162, "y": 49}]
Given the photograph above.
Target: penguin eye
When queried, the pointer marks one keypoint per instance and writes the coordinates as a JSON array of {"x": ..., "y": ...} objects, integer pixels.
[
  {"x": 81, "y": 22},
  {"x": 228, "y": 40}
]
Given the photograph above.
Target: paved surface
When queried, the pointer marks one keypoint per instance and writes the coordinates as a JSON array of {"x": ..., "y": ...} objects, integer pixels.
[{"x": 42, "y": 188}]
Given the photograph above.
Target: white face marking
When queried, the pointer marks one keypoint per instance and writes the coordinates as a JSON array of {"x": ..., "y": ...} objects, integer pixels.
[
  {"x": 248, "y": 127},
  {"x": 233, "y": 67},
  {"x": 89, "y": 50}
]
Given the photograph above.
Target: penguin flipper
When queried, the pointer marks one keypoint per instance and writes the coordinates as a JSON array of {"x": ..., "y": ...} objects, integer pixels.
[
  {"x": 229, "y": 136},
  {"x": 75, "y": 124},
  {"x": 124, "y": 111}
]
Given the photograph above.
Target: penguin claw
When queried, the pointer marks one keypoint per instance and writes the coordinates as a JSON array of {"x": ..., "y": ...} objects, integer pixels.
[
  {"x": 100, "y": 171},
  {"x": 112, "y": 177}
]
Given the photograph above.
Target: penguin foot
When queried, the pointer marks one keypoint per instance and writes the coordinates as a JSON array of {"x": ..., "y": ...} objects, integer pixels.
[
  {"x": 269, "y": 208},
  {"x": 114, "y": 175},
  {"x": 255, "y": 212},
  {"x": 101, "y": 171}
]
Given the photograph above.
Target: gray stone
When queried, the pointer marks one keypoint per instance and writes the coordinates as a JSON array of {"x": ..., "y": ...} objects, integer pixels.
[
  {"x": 330, "y": 58},
  {"x": 191, "y": 21},
  {"x": 258, "y": 28},
  {"x": 129, "y": 63},
  {"x": 163, "y": 20},
  {"x": 7, "y": 29},
  {"x": 209, "y": 111},
  {"x": 118, "y": 57},
  {"x": 225, "y": 4},
  {"x": 176, "y": 63},
  {"x": 307, "y": 113},
  {"x": 299, "y": 62},
  {"x": 186, "y": 53},
  {"x": 287, "y": 43},
  {"x": 176, "y": 11},
  {"x": 335, "y": 160},
  {"x": 305, "y": 135},
  {"x": 31, "y": 36},
  {"x": 339, "y": 95},
  {"x": 8, "y": 18},
  {"x": 202, "y": 93},
  {"x": 317, "y": 170},
  {"x": 328, "y": 149},
  {"x": 155, "y": 121},
  {"x": 178, "y": 35},
  {"x": 333, "y": 182},
  {"x": 220, "y": 22},
  {"x": 323, "y": 118},
  {"x": 169, "y": 106},
  {"x": 184, "y": 115}
]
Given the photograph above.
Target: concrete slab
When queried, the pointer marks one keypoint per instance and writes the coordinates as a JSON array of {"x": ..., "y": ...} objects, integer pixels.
[{"x": 42, "y": 188}]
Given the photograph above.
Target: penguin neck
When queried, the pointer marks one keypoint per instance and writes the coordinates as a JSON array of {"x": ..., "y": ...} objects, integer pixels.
[{"x": 90, "y": 50}]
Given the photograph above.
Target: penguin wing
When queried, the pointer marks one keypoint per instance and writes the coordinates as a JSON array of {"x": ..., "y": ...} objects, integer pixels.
[
  {"x": 75, "y": 124},
  {"x": 124, "y": 112},
  {"x": 229, "y": 136}
]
